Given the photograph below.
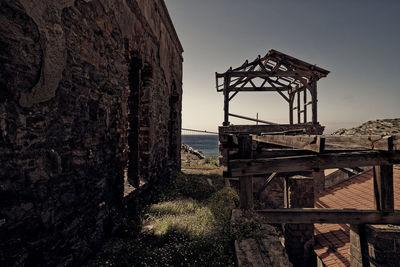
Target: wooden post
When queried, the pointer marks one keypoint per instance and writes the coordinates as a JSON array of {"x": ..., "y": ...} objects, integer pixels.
[
  {"x": 245, "y": 146},
  {"x": 383, "y": 188},
  {"x": 246, "y": 192},
  {"x": 305, "y": 106},
  {"x": 298, "y": 106},
  {"x": 291, "y": 98},
  {"x": 246, "y": 182},
  {"x": 226, "y": 102},
  {"x": 286, "y": 193},
  {"x": 314, "y": 101},
  {"x": 319, "y": 181}
]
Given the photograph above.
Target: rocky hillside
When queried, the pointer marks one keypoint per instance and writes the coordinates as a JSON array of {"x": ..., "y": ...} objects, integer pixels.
[
  {"x": 383, "y": 127},
  {"x": 188, "y": 149}
]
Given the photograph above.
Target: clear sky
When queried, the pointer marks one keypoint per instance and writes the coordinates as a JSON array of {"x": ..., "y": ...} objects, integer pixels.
[{"x": 358, "y": 41}]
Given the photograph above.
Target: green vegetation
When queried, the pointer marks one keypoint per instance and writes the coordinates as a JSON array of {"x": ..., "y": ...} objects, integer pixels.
[
  {"x": 193, "y": 165},
  {"x": 189, "y": 225}
]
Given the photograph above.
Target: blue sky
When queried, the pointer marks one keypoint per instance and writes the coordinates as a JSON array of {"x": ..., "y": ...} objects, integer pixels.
[{"x": 358, "y": 41}]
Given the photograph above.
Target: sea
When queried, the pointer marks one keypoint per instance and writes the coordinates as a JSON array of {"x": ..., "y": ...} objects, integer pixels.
[{"x": 207, "y": 144}]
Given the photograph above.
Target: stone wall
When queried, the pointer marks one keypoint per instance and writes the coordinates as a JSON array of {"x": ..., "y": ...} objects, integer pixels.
[
  {"x": 64, "y": 117},
  {"x": 299, "y": 238},
  {"x": 374, "y": 245}
]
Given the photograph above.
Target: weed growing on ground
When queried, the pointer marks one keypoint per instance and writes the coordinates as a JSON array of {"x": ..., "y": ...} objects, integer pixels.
[{"x": 188, "y": 226}]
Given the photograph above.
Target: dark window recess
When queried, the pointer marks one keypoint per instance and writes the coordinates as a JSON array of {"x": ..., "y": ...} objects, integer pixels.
[
  {"x": 135, "y": 84},
  {"x": 174, "y": 142}
]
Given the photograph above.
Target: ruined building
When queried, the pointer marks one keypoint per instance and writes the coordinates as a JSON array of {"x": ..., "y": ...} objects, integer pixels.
[
  {"x": 333, "y": 209},
  {"x": 90, "y": 93}
]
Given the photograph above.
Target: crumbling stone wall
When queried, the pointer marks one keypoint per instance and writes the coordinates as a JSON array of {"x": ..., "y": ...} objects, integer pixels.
[
  {"x": 374, "y": 245},
  {"x": 299, "y": 238},
  {"x": 65, "y": 115}
]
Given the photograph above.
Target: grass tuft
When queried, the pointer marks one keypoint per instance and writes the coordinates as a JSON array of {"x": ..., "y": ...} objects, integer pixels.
[{"x": 188, "y": 226}]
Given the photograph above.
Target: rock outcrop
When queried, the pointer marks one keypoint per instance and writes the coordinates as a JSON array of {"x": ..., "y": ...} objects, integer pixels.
[
  {"x": 380, "y": 127},
  {"x": 188, "y": 149}
]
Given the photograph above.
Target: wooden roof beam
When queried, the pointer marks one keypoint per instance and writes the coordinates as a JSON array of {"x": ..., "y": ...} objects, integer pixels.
[
  {"x": 375, "y": 142},
  {"x": 304, "y": 142},
  {"x": 262, "y": 74},
  {"x": 255, "y": 89},
  {"x": 245, "y": 167}
]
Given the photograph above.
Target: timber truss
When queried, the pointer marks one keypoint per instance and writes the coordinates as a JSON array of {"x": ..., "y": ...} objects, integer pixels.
[
  {"x": 284, "y": 155},
  {"x": 276, "y": 72}
]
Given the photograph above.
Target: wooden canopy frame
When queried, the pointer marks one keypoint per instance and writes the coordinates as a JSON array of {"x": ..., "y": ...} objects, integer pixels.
[{"x": 276, "y": 72}]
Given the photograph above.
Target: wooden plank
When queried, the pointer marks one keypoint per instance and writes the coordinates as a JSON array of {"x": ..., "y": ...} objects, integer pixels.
[
  {"x": 291, "y": 109},
  {"x": 288, "y": 132},
  {"x": 314, "y": 101},
  {"x": 319, "y": 181},
  {"x": 251, "y": 119},
  {"x": 273, "y": 153},
  {"x": 252, "y": 84},
  {"x": 383, "y": 188},
  {"x": 267, "y": 181},
  {"x": 232, "y": 96},
  {"x": 375, "y": 142},
  {"x": 286, "y": 192},
  {"x": 258, "y": 89},
  {"x": 298, "y": 107},
  {"x": 278, "y": 175},
  {"x": 226, "y": 102},
  {"x": 263, "y": 74},
  {"x": 243, "y": 79},
  {"x": 331, "y": 216},
  {"x": 245, "y": 146},
  {"x": 269, "y": 153},
  {"x": 299, "y": 87},
  {"x": 308, "y": 103},
  {"x": 264, "y": 128},
  {"x": 304, "y": 142},
  {"x": 243, "y": 167},
  {"x": 246, "y": 192},
  {"x": 292, "y": 61},
  {"x": 305, "y": 106},
  {"x": 276, "y": 88}
]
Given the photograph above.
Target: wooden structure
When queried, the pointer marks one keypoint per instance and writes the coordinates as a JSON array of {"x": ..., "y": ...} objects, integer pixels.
[
  {"x": 314, "y": 153},
  {"x": 277, "y": 72},
  {"x": 298, "y": 152}
]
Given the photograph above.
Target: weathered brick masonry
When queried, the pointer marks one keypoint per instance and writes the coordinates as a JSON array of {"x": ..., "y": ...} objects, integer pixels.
[{"x": 85, "y": 86}]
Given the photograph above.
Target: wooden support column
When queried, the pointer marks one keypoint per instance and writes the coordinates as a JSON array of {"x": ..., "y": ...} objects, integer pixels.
[
  {"x": 286, "y": 193},
  {"x": 314, "y": 101},
  {"x": 383, "y": 188},
  {"x": 305, "y": 106},
  {"x": 246, "y": 193},
  {"x": 298, "y": 107},
  {"x": 226, "y": 102},
  {"x": 291, "y": 98},
  {"x": 246, "y": 182},
  {"x": 319, "y": 180}
]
